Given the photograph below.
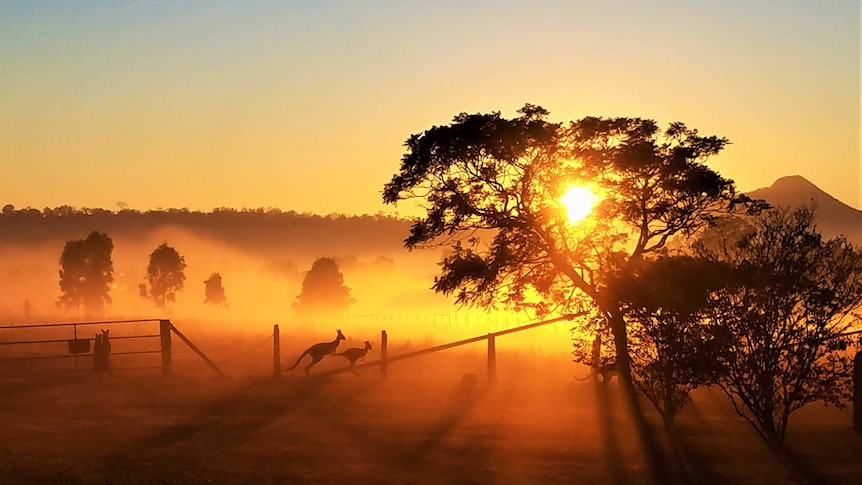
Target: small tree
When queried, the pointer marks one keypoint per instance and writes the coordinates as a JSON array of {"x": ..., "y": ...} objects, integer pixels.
[
  {"x": 214, "y": 291},
  {"x": 665, "y": 301},
  {"x": 323, "y": 289},
  {"x": 784, "y": 317},
  {"x": 165, "y": 275},
  {"x": 86, "y": 273}
]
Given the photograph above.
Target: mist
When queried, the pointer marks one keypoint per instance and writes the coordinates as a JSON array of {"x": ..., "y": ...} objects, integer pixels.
[{"x": 392, "y": 291}]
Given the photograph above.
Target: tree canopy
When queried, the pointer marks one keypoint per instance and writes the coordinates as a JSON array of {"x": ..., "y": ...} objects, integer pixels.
[
  {"x": 86, "y": 273},
  {"x": 323, "y": 289},
  {"x": 214, "y": 291},
  {"x": 784, "y": 316},
  {"x": 165, "y": 275},
  {"x": 491, "y": 188},
  {"x": 666, "y": 301}
]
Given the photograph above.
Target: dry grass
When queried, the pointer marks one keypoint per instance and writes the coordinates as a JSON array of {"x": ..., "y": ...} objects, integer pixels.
[{"x": 423, "y": 424}]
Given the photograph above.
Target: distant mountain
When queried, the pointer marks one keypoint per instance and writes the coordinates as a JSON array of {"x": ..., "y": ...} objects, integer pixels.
[{"x": 832, "y": 216}]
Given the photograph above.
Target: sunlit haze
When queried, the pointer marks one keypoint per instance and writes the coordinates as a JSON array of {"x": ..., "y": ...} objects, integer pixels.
[{"x": 200, "y": 281}]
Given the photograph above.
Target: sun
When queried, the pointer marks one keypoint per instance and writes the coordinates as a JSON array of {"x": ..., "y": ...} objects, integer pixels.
[{"x": 579, "y": 202}]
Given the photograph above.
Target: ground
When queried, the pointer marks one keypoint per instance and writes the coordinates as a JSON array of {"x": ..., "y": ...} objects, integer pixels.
[{"x": 426, "y": 423}]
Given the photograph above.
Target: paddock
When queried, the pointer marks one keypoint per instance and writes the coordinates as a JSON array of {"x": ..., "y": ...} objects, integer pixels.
[{"x": 424, "y": 423}]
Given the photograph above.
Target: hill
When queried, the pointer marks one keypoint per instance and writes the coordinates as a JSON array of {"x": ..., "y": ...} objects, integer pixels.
[{"x": 832, "y": 216}]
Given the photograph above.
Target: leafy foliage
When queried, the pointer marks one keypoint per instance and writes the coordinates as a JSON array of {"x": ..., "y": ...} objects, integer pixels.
[
  {"x": 666, "y": 301},
  {"x": 86, "y": 273},
  {"x": 783, "y": 318},
  {"x": 323, "y": 289},
  {"x": 165, "y": 275},
  {"x": 214, "y": 291},
  {"x": 491, "y": 188}
]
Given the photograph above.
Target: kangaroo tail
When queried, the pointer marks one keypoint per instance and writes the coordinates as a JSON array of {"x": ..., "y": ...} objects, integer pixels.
[
  {"x": 297, "y": 360},
  {"x": 583, "y": 378}
]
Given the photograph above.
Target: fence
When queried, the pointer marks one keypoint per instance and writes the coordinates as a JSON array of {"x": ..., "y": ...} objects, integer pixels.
[
  {"x": 492, "y": 357},
  {"x": 78, "y": 346},
  {"x": 386, "y": 360}
]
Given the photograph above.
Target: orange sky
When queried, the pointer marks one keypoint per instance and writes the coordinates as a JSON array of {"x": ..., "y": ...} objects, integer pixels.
[{"x": 305, "y": 107}]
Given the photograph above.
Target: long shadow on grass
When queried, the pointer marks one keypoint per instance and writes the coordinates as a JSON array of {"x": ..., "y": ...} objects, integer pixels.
[
  {"x": 695, "y": 462},
  {"x": 795, "y": 464},
  {"x": 460, "y": 406},
  {"x": 226, "y": 422},
  {"x": 608, "y": 432},
  {"x": 391, "y": 446},
  {"x": 656, "y": 460},
  {"x": 232, "y": 418}
]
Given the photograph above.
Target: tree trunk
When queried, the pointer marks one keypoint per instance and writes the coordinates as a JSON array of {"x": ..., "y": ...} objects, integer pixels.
[
  {"x": 621, "y": 345},
  {"x": 658, "y": 463}
]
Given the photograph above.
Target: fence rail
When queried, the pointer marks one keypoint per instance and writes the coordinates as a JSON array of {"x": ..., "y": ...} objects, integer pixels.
[
  {"x": 166, "y": 329},
  {"x": 385, "y": 359},
  {"x": 75, "y": 324}
]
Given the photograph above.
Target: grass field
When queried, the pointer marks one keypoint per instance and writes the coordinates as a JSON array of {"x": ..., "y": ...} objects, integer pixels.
[{"x": 423, "y": 424}]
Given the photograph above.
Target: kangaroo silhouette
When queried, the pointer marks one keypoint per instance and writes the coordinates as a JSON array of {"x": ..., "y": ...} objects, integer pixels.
[
  {"x": 354, "y": 354},
  {"x": 102, "y": 353},
  {"x": 319, "y": 351}
]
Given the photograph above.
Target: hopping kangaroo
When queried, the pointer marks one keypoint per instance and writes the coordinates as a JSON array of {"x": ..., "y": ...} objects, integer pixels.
[
  {"x": 355, "y": 354},
  {"x": 606, "y": 371},
  {"x": 319, "y": 351}
]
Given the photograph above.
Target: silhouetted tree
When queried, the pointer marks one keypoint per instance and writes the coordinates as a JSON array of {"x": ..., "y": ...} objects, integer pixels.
[
  {"x": 492, "y": 188},
  {"x": 323, "y": 289},
  {"x": 86, "y": 273},
  {"x": 784, "y": 317},
  {"x": 165, "y": 275},
  {"x": 673, "y": 349},
  {"x": 214, "y": 290}
]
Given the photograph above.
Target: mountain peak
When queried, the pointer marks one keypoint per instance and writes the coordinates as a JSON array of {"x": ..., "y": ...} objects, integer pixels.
[
  {"x": 831, "y": 215},
  {"x": 796, "y": 190},
  {"x": 798, "y": 184}
]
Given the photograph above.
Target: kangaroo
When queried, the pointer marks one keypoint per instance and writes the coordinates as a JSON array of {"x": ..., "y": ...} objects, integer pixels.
[
  {"x": 319, "y": 351},
  {"x": 102, "y": 353},
  {"x": 355, "y": 354},
  {"x": 606, "y": 371},
  {"x": 97, "y": 353}
]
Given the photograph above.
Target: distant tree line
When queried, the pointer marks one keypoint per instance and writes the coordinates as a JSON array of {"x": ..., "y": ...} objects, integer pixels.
[{"x": 269, "y": 230}]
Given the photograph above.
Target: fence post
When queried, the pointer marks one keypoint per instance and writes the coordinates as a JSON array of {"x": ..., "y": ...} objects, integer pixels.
[
  {"x": 75, "y": 337},
  {"x": 276, "y": 352},
  {"x": 857, "y": 392},
  {"x": 492, "y": 359},
  {"x": 165, "y": 339},
  {"x": 384, "y": 341}
]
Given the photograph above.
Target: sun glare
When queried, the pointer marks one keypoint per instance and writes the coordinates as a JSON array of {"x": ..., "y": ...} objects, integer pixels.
[{"x": 579, "y": 202}]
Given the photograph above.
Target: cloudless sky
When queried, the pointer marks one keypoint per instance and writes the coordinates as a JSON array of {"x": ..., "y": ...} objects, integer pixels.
[{"x": 305, "y": 105}]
